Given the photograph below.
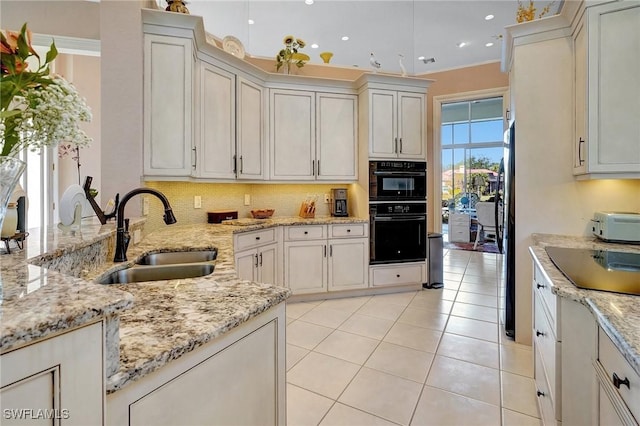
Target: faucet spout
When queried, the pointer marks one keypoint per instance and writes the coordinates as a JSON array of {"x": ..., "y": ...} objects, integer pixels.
[{"x": 122, "y": 234}]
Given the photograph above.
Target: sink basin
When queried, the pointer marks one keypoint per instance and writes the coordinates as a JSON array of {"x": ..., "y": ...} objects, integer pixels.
[
  {"x": 157, "y": 273},
  {"x": 175, "y": 257}
]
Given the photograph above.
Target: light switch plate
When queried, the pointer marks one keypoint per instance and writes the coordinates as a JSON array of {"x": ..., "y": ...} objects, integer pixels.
[
  {"x": 247, "y": 199},
  {"x": 326, "y": 198},
  {"x": 197, "y": 202}
]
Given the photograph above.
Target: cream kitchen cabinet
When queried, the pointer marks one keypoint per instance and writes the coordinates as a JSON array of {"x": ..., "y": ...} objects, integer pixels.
[
  {"x": 258, "y": 255},
  {"x": 397, "y": 274},
  {"x": 397, "y": 125},
  {"x": 607, "y": 101},
  {"x": 619, "y": 391},
  {"x": 220, "y": 383},
  {"x": 320, "y": 258},
  {"x": 230, "y": 136},
  {"x": 168, "y": 106},
  {"x": 52, "y": 382},
  {"x": 313, "y": 136}
]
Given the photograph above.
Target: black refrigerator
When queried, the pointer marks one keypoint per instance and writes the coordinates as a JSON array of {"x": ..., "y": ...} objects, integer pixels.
[{"x": 508, "y": 176}]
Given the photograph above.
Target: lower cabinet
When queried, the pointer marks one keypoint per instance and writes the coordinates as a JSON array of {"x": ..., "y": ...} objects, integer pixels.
[
  {"x": 59, "y": 380},
  {"x": 397, "y": 274},
  {"x": 258, "y": 256},
  {"x": 319, "y": 258},
  {"x": 221, "y": 383}
]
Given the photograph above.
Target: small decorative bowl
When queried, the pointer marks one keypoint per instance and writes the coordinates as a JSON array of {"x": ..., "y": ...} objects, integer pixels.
[{"x": 262, "y": 213}]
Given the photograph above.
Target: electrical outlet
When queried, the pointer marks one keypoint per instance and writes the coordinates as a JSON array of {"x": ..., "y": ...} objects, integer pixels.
[
  {"x": 326, "y": 198},
  {"x": 247, "y": 199},
  {"x": 145, "y": 206},
  {"x": 197, "y": 202}
]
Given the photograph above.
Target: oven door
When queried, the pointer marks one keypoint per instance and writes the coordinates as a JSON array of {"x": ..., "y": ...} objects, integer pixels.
[
  {"x": 397, "y": 185},
  {"x": 400, "y": 238}
]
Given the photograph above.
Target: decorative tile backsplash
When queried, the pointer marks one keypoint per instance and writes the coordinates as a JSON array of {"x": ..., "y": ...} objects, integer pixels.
[{"x": 284, "y": 198}]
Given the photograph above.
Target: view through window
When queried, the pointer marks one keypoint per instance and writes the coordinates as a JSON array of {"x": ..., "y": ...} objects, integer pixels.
[{"x": 472, "y": 146}]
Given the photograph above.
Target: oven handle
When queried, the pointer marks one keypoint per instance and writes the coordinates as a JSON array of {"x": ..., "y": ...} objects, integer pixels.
[
  {"x": 398, "y": 218},
  {"x": 409, "y": 174}
]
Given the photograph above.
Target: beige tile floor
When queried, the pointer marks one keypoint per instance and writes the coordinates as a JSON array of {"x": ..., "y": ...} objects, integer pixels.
[{"x": 431, "y": 357}]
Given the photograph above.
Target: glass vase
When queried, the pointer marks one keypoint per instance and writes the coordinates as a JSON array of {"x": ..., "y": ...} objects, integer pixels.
[{"x": 11, "y": 169}]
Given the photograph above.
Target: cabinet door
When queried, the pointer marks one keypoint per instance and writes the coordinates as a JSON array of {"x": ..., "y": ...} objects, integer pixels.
[
  {"x": 382, "y": 123},
  {"x": 579, "y": 147},
  {"x": 292, "y": 130},
  {"x": 607, "y": 413},
  {"x": 168, "y": 69},
  {"x": 246, "y": 265},
  {"x": 305, "y": 266},
  {"x": 336, "y": 136},
  {"x": 233, "y": 387},
  {"x": 348, "y": 263},
  {"x": 614, "y": 78},
  {"x": 250, "y": 127},
  {"x": 63, "y": 375},
  {"x": 411, "y": 129},
  {"x": 268, "y": 264},
  {"x": 217, "y": 135}
]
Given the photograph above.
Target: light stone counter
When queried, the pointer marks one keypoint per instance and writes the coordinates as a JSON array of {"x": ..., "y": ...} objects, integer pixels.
[
  {"x": 154, "y": 322},
  {"x": 617, "y": 314}
]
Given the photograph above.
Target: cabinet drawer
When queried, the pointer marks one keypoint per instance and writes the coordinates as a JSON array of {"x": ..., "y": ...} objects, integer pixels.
[
  {"x": 547, "y": 348},
  {"x": 542, "y": 288},
  {"x": 614, "y": 363},
  {"x": 544, "y": 397},
  {"x": 348, "y": 230},
  {"x": 396, "y": 275},
  {"x": 306, "y": 232},
  {"x": 248, "y": 240}
]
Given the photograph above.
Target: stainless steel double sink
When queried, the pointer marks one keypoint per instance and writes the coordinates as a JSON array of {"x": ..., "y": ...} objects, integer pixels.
[{"x": 165, "y": 266}]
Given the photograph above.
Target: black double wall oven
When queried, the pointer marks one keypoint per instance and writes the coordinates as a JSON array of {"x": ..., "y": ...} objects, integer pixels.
[{"x": 397, "y": 211}]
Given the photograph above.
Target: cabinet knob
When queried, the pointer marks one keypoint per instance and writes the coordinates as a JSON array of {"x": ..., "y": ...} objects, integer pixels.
[
  {"x": 397, "y": 275},
  {"x": 539, "y": 333},
  {"x": 306, "y": 232},
  {"x": 540, "y": 393},
  {"x": 617, "y": 381},
  {"x": 257, "y": 238},
  {"x": 348, "y": 230}
]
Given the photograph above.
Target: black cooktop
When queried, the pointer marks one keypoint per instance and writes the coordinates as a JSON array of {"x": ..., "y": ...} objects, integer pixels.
[{"x": 605, "y": 270}]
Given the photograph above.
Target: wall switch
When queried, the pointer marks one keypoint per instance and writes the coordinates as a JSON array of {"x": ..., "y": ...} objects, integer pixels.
[
  {"x": 247, "y": 199},
  {"x": 326, "y": 198},
  {"x": 197, "y": 202},
  {"x": 145, "y": 206}
]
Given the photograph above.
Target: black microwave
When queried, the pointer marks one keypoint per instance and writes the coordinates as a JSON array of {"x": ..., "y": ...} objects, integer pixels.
[{"x": 397, "y": 180}]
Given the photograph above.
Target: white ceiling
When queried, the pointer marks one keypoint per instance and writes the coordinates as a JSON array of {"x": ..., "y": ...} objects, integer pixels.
[{"x": 429, "y": 28}]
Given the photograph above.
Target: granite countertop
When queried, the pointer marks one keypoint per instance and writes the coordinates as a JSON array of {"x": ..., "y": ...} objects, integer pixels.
[
  {"x": 157, "y": 321},
  {"x": 617, "y": 314}
]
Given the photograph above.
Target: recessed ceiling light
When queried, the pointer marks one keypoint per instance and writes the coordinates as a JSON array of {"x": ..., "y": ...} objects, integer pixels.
[
  {"x": 461, "y": 44},
  {"x": 308, "y": 1},
  {"x": 421, "y": 58},
  {"x": 314, "y": 46},
  {"x": 489, "y": 44},
  {"x": 345, "y": 38},
  {"x": 489, "y": 17},
  {"x": 251, "y": 21}
]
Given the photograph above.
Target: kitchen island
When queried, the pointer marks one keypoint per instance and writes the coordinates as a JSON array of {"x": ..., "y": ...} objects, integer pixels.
[{"x": 587, "y": 342}]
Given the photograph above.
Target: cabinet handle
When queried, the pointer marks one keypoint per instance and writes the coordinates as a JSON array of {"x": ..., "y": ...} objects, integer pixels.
[
  {"x": 539, "y": 333},
  {"x": 241, "y": 164},
  {"x": 257, "y": 238},
  {"x": 617, "y": 381},
  {"x": 348, "y": 230},
  {"x": 313, "y": 167},
  {"x": 540, "y": 393},
  {"x": 580, "y": 159},
  {"x": 195, "y": 157},
  {"x": 256, "y": 260},
  {"x": 540, "y": 286},
  {"x": 395, "y": 145},
  {"x": 325, "y": 251},
  {"x": 235, "y": 165},
  {"x": 260, "y": 259},
  {"x": 318, "y": 167},
  {"x": 331, "y": 250},
  {"x": 400, "y": 150}
]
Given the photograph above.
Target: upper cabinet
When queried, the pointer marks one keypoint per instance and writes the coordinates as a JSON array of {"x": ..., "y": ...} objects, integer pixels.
[
  {"x": 168, "y": 105},
  {"x": 313, "y": 135},
  {"x": 393, "y": 117},
  {"x": 607, "y": 99},
  {"x": 250, "y": 130}
]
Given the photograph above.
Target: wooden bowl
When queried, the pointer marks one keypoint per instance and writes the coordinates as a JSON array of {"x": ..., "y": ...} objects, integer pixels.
[{"x": 262, "y": 213}]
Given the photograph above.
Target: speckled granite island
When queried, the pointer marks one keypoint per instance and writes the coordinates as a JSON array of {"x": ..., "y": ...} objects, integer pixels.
[
  {"x": 160, "y": 327},
  {"x": 597, "y": 342}
]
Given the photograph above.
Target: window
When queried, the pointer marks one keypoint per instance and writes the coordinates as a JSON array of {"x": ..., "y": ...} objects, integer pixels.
[{"x": 472, "y": 144}]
